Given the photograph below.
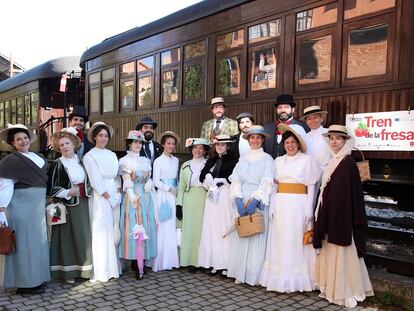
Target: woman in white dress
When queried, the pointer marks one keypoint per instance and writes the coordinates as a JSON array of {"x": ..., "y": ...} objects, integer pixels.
[
  {"x": 101, "y": 165},
  {"x": 218, "y": 211},
  {"x": 251, "y": 186},
  {"x": 289, "y": 263},
  {"x": 165, "y": 174}
]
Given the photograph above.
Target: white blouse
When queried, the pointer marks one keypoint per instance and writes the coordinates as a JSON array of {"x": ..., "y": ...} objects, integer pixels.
[{"x": 75, "y": 172}]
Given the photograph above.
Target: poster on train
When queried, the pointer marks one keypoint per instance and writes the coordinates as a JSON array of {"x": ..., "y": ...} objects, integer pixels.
[{"x": 379, "y": 131}]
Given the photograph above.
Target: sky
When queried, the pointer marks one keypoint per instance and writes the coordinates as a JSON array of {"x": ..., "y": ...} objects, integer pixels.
[{"x": 33, "y": 32}]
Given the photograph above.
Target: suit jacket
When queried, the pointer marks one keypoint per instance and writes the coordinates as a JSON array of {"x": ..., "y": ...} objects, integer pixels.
[
  {"x": 158, "y": 150},
  {"x": 235, "y": 147},
  {"x": 229, "y": 127},
  {"x": 271, "y": 146}
]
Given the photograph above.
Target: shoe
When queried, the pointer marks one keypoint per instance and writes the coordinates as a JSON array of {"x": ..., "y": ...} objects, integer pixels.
[
  {"x": 70, "y": 281},
  {"x": 213, "y": 272},
  {"x": 31, "y": 290},
  {"x": 139, "y": 276},
  {"x": 237, "y": 282},
  {"x": 134, "y": 265}
]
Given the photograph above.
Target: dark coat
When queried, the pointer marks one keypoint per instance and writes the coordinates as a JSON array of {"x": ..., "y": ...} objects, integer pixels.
[
  {"x": 158, "y": 150},
  {"x": 229, "y": 161},
  {"x": 235, "y": 146},
  {"x": 342, "y": 212},
  {"x": 271, "y": 146}
]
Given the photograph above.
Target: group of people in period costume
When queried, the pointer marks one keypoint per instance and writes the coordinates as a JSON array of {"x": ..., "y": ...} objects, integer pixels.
[{"x": 145, "y": 209}]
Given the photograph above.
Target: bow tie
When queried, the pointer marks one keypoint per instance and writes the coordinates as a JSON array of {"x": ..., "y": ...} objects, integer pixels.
[{"x": 288, "y": 122}]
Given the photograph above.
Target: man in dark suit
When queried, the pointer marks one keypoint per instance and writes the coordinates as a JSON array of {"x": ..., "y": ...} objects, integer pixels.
[
  {"x": 285, "y": 109},
  {"x": 151, "y": 149},
  {"x": 241, "y": 146},
  {"x": 78, "y": 119}
]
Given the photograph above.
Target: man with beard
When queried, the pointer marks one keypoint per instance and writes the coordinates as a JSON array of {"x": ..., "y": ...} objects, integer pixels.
[
  {"x": 77, "y": 120},
  {"x": 151, "y": 149},
  {"x": 285, "y": 108},
  {"x": 220, "y": 124},
  {"x": 241, "y": 146}
]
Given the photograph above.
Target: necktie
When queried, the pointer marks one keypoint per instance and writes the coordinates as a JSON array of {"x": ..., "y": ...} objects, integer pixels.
[
  {"x": 147, "y": 150},
  {"x": 216, "y": 129}
]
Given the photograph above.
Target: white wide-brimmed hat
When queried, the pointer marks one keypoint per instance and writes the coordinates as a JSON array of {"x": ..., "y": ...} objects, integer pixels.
[
  {"x": 5, "y": 131},
  {"x": 286, "y": 128},
  {"x": 222, "y": 139},
  {"x": 95, "y": 125},
  {"x": 135, "y": 135},
  {"x": 169, "y": 133},
  {"x": 312, "y": 110},
  {"x": 190, "y": 142},
  {"x": 256, "y": 129},
  {"x": 336, "y": 129}
]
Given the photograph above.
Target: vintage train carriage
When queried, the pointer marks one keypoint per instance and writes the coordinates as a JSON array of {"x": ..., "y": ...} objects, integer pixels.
[
  {"x": 349, "y": 56},
  {"x": 34, "y": 98}
]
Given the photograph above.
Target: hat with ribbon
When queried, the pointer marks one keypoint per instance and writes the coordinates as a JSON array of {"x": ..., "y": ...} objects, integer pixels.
[
  {"x": 20, "y": 128},
  {"x": 286, "y": 128},
  {"x": 256, "y": 129},
  {"x": 312, "y": 110},
  {"x": 336, "y": 129},
  {"x": 135, "y": 135},
  {"x": 217, "y": 101},
  {"x": 171, "y": 134},
  {"x": 95, "y": 125},
  {"x": 190, "y": 142},
  {"x": 221, "y": 139}
]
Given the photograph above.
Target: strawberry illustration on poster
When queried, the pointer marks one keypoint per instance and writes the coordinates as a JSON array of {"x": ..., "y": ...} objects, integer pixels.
[{"x": 382, "y": 131}]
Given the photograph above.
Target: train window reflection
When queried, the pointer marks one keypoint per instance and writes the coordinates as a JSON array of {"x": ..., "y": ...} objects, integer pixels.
[
  {"x": 1, "y": 115},
  {"x": 170, "y": 86},
  {"x": 126, "y": 93},
  {"x": 145, "y": 64},
  {"x": 170, "y": 57},
  {"x": 7, "y": 113},
  {"x": 108, "y": 98},
  {"x": 354, "y": 8},
  {"x": 94, "y": 77},
  {"x": 94, "y": 100},
  {"x": 20, "y": 111},
  {"x": 34, "y": 99},
  {"x": 108, "y": 74},
  {"x": 263, "y": 69},
  {"x": 27, "y": 110},
  {"x": 194, "y": 50},
  {"x": 315, "y": 60},
  {"x": 127, "y": 69},
  {"x": 145, "y": 91},
  {"x": 323, "y": 15},
  {"x": 264, "y": 31},
  {"x": 13, "y": 114},
  {"x": 367, "y": 51},
  {"x": 230, "y": 40},
  {"x": 228, "y": 80},
  {"x": 193, "y": 88}
]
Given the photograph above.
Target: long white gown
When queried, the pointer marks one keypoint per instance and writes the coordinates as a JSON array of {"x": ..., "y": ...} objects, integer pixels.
[
  {"x": 165, "y": 171},
  {"x": 102, "y": 168},
  {"x": 289, "y": 265}
]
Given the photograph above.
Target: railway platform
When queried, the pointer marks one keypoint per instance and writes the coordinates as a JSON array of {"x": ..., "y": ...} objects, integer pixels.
[{"x": 167, "y": 290}]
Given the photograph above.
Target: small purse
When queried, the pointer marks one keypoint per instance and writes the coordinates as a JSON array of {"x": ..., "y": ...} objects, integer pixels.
[
  {"x": 308, "y": 237},
  {"x": 56, "y": 214},
  {"x": 363, "y": 168},
  {"x": 165, "y": 211},
  {"x": 7, "y": 241}
]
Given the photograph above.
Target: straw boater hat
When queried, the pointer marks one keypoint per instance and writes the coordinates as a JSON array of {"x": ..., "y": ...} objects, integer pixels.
[
  {"x": 256, "y": 129},
  {"x": 286, "y": 128},
  {"x": 69, "y": 132},
  {"x": 336, "y": 129},
  {"x": 4, "y": 132},
  {"x": 169, "y": 133},
  {"x": 285, "y": 99},
  {"x": 221, "y": 139},
  {"x": 217, "y": 101},
  {"x": 135, "y": 135},
  {"x": 312, "y": 110},
  {"x": 190, "y": 142},
  {"x": 95, "y": 125}
]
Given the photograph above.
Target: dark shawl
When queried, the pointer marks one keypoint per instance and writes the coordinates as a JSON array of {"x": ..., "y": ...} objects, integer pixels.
[
  {"x": 342, "y": 212},
  {"x": 20, "y": 168},
  {"x": 59, "y": 180},
  {"x": 228, "y": 163}
]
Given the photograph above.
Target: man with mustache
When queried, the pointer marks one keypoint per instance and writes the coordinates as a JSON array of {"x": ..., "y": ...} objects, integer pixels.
[
  {"x": 244, "y": 121},
  {"x": 77, "y": 120},
  {"x": 150, "y": 149},
  {"x": 285, "y": 109},
  {"x": 220, "y": 124}
]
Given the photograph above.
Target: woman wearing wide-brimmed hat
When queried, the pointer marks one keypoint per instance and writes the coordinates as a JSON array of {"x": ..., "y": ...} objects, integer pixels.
[
  {"x": 190, "y": 201},
  {"x": 71, "y": 242},
  {"x": 218, "y": 213},
  {"x": 340, "y": 224},
  {"x": 290, "y": 257},
  {"x": 137, "y": 204},
  {"x": 101, "y": 165},
  {"x": 165, "y": 173},
  {"x": 23, "y": 181},
  {"x": 251, "y": 187}
]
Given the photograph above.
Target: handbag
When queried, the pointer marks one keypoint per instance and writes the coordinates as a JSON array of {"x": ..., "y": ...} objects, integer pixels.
[
  {"x": 55, "y": 214},
  {"x": 7, "y": 241},
  {"x": 308, "y": 237},
  {"x": 165, "y": 211},
  {"x": 363, "y": 168},
  {"x": 250, "y": 225}
]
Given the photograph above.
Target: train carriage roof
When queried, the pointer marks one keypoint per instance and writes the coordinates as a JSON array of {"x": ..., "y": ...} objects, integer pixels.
[
  {"x": 187, "y": 15},
  {"x": 51, "y": 69}
]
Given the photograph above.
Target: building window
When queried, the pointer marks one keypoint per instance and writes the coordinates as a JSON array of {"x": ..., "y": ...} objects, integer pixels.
[
  {"x": 316, "y": 17},
  {"x": 264, "y": 31}
]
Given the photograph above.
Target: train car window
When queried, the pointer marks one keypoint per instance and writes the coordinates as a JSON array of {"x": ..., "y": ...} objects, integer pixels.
[
  {"x": 95, "y": 78},
  {"x": 315, "y": 58},
  {"x": 145, "y": 68},
  {"x": 94, "y": 100},
  {"x": 367, "y": 51},
  {"x": 34, "y": 100},
  {"x": 20, "y": 110},
  {"x": 13, "y": 111},
  {"x": 27, "y": 117},
  {"x": 170, "y": 57},
  {"x": 230, "y": 40},
  {"x": 193, "y": 81},
  {"x": 194, "y": 50},
  {"x": 170, "y": 85},
  {"x": 1, "y": 114},
  {"x": 228, "y": 75},
  {"x": 355, "y": 8},
  {"x": 264, "y": 69},
  {"x": 108, "y": 98},
  {"x": 108, "y": 74},
  {"x": 127, "y": 86},
  {"x": 7, "y": 118},
  {"x": 264, "y": 31},
  {"x": 316, "y": 17}
]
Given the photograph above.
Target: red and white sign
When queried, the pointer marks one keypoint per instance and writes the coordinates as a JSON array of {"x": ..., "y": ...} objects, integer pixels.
[
  {"x": 63, "y": 81},
  {"x": 378, "y": 131}
]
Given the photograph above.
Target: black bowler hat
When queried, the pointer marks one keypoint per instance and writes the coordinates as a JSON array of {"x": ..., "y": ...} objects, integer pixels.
[
  {"x": 285, "y": 99},
  {"x": 79, "y": 111},
  {"x": 146, "y": 120}
]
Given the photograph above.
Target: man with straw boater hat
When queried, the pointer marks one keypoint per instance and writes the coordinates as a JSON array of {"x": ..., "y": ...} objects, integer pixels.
[
  {"x": 285, "y": 109},
  {"x": 220, "y": 124},
  {"x": 317, "y": 144}
]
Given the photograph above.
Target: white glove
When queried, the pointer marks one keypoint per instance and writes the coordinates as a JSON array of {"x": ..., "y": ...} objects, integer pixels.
[
  {"x": 318, "y": 251},
  {"x": 148, "y": 186},
  {"x": 131, "y": 195},
  {"x": 3, "y": 219},
  {"x": 208, "y": 181},
  {"x": 113, "y": 201},
  {"x": 308, "y": 223}
]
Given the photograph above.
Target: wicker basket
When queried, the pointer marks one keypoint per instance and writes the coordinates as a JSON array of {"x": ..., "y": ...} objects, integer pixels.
[
  {"x": 250, "y": 225},
  {"x": 363, "y": 168}
]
